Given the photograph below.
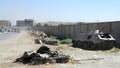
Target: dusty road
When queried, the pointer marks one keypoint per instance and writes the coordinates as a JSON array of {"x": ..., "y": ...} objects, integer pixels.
[{"x": 12, "y": 48}]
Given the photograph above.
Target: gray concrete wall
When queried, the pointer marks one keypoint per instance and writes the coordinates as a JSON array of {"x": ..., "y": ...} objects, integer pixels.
[
  {"x": 72, "y": 30},
  {"x": 115, "y": 31}
]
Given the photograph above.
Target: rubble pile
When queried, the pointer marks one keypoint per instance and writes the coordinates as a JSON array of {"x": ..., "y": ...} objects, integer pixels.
[
  {"x": 41, "y": 37},
  {"x": 42, "y": 56}
]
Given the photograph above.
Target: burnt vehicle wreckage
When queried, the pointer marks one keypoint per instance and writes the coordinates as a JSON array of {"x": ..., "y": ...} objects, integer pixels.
[
  {"x": 95, "y": 40},
  {"x": 38, "y": 58}
]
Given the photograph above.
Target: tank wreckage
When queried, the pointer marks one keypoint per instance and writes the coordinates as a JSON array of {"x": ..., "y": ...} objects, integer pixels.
[{"x": 95, "y": 40}]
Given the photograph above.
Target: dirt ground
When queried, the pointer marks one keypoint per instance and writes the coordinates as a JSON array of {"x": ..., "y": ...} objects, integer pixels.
[{"x": 15, "y": 47}]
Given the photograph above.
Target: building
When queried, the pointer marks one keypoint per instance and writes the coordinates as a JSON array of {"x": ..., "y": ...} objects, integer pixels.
[
  {"x": 20, "y": 23},
  {"x": 4, "y": 24},
  {"x": 25, "y": 23}
]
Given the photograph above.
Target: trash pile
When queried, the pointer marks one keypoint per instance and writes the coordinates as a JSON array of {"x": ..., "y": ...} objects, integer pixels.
[{"x": 42, "y": 56}]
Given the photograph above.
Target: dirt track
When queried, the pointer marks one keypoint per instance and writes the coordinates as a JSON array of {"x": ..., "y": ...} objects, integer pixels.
[{"x": 15, "y": 47}]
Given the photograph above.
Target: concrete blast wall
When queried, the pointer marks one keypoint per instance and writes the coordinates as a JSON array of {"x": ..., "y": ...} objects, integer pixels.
[{"x": 70, "y": 31}]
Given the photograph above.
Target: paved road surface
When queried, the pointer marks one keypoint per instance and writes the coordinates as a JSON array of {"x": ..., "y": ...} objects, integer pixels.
[{"x": 7, "y": 35}]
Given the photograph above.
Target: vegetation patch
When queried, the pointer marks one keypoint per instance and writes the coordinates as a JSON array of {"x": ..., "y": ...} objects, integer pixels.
[
  {"x": 63, "y": 41},
  {"x": 66, "y": 41},
  {"x": 52, "y": 37}
]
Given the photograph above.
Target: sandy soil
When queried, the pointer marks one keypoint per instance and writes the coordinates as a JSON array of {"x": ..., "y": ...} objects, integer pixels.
[{"x": 15, "y": 47}]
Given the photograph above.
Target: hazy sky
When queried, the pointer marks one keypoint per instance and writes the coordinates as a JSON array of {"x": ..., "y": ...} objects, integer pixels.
[{"x": 60, "y": 10}]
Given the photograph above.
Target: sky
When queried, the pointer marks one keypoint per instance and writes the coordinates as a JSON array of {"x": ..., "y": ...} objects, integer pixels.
[{"x": 60, "y": 10}]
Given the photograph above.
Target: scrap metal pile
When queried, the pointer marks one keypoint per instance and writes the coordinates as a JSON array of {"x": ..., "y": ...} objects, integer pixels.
[{"x": 42, "y": 56}]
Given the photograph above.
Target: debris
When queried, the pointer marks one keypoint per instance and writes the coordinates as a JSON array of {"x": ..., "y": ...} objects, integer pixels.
[
  {"x": 39, "y": 60},
  {"x": 60, "y": 58},
  {"x": 39, "y": 35},
  {"x": 27, "y": 57},
  {"x": 36, "y": 58},
  {"x": 51, "y": 42},
  {"x": 42, "y": 37},
  {"x": 43, "y": 49},
  {"x": 37, "y": 41}
]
